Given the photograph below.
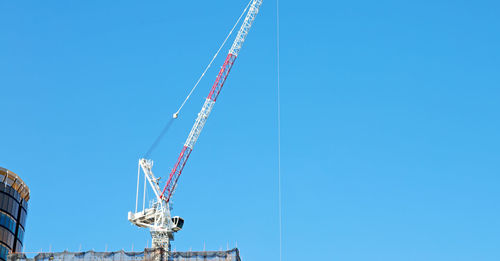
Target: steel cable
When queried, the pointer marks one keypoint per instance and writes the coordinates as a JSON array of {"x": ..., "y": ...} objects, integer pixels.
[{"x": 175, "y": 115}]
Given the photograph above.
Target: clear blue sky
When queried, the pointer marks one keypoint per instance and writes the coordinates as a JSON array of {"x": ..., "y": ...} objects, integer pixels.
[{"x": 390, "y": 130}]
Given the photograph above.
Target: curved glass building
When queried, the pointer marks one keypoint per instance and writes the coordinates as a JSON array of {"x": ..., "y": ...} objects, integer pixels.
[{"x": 14, "y": 196}]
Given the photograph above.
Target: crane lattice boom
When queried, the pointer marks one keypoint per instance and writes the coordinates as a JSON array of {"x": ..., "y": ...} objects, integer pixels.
[{"x": 210, "y": 101}]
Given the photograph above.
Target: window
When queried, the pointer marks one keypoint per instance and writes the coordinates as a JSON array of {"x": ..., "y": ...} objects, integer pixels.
[
  {"x": 19, "y": 246},
  {"x": 3, "y": 252},
  {"x": 17, "y": 196},
  {"x": 5, "y": 201},
  {"x": 20, "y": 234},
  {"x": 12, "y": 226},
  {"x": 22, "y": 218},
  {"x": 11, "y": 206},
  {"x": 8, "y": 223},
  {"x": 12, "y": 191},
  {"x": 10, "y": 238},
  {"x": 15, "y": 209}
]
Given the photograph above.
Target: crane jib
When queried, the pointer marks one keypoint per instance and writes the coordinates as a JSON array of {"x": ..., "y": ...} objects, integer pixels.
[
  {"x": 210, "y": 101},
  {"x": 221, "y": 78},
  {"x": 198, "y": 126}
]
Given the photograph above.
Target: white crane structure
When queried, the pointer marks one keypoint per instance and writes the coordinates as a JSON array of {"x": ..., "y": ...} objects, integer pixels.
[{"x": 156, "y": 216}]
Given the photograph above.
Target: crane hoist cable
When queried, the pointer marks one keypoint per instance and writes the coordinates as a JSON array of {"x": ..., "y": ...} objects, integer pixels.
[
  {"x": 157, "y": 217},
  {"x": 176, "y": 114},
  {"x": 193, "y": 136}
]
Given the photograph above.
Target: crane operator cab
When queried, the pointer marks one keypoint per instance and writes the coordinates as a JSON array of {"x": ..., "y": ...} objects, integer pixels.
[{"x": 178, "y": 223}]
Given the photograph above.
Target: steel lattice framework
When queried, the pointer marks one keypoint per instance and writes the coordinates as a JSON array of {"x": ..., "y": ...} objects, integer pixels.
[
  {"x": 157, "y": 216},
  {"x": 169, "y": 189}
]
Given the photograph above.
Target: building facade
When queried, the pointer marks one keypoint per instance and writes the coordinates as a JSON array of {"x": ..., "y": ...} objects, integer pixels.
[{"x": 14, "y": 196}]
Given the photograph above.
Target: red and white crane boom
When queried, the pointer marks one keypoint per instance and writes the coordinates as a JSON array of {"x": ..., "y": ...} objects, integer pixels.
[
  {"x": 157, "y": 216},
  {"x": 210, "y": 101}
]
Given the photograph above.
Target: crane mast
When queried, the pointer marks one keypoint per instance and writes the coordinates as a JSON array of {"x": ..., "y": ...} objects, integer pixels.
[{"x": 169, "y": 188}]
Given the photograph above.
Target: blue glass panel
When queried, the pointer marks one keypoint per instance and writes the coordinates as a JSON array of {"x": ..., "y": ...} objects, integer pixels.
[
  {"x": 3, "y": 256},
  {"x": 20, "y": 234},
  {"x": 8, "y": 223},
  {"x": 12, "y": 226},
  {"x": 3, "y": 252}
]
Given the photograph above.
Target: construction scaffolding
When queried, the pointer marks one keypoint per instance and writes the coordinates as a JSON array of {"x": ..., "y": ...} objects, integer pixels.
[{"x": 149, "y": 254}]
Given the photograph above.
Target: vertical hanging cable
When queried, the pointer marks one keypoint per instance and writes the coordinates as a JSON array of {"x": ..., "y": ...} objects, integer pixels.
[
  {"x": 280, "y": 214},
  {"x": 138, "y": 180},
  {"x": 144, "y": 196}
]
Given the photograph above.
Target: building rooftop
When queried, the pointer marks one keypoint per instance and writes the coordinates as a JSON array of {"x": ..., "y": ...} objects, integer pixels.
[
  {"x": 12, "y": 179},
  {"x": 149, "y": 254}
]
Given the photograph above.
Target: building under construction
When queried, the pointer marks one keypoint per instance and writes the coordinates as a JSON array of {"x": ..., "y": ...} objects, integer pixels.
[{"x": 149, "y": 254}]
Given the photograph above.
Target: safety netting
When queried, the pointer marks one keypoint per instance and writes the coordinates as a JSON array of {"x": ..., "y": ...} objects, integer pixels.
[{"x": 148, "y": 254}]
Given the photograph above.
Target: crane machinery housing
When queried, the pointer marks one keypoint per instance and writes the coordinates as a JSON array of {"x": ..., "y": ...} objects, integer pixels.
[{"x": 157, "y": 216}]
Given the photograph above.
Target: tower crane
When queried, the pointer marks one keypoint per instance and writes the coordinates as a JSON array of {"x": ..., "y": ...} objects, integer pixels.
[{"x": 157, "y": 216}]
